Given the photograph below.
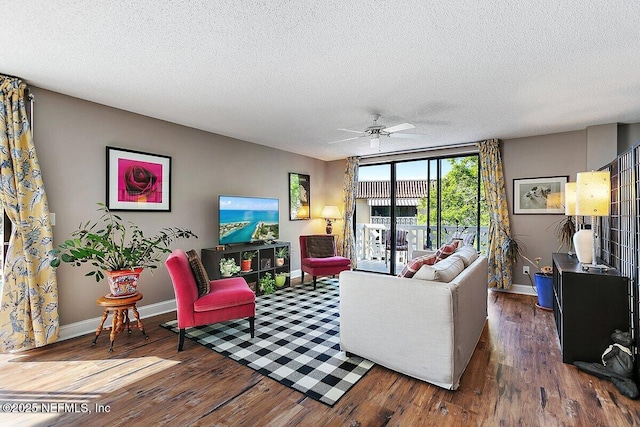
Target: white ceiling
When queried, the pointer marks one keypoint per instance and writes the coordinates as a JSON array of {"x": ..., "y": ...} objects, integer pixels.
[{"x": 288, "y": 74}]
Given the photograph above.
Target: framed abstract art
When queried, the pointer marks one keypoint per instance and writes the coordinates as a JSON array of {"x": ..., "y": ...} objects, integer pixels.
[{"x": 138, "y": 181}]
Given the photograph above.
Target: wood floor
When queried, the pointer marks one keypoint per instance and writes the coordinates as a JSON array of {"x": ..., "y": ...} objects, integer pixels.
[{"x": 515, "y": 377}]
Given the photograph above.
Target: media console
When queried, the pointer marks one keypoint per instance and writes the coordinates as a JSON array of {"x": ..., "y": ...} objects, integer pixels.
[{"x": 264, "y": 262}]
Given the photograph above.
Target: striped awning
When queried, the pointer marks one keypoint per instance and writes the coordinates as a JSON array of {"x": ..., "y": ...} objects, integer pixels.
[
  {"x": 387, "y": 202},
  {"x": 405, "y": 189}
]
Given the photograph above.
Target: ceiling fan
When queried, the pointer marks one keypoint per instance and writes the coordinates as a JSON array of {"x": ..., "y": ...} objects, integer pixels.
[{"x": 376, "y": 130}]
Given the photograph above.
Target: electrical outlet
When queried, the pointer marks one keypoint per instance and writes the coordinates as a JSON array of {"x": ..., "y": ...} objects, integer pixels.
[{"x": 525, "y": 269}]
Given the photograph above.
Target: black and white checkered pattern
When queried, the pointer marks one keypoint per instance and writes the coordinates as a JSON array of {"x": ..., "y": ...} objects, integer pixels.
[{"x": 296, "y": 342}]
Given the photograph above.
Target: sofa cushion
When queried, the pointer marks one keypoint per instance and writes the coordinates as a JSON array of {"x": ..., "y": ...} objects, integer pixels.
[
  {"x": 468, "y": 254},
  {"x": 199, "y": 273},
  {"x": 320, "y": 246},
  {"x": 414, "y": 265},
  {"x": 443, "y": 271},
  {"x": 445, "y": 250}
]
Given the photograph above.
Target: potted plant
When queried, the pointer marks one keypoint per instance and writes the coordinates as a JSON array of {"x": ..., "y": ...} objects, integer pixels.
[
  {"x": 228, "y": 267},
  {"x": 543, "y": 279},
  {"x": 267, "y": 284},
  {"x": 246, "y": 260},
  {"x": 281, "y": 279},
  {"x": 115, "y": 249},
  {"x": 281, "y": 254}
]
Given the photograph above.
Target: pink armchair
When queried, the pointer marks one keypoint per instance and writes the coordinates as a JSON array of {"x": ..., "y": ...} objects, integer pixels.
[
  {"x": 227, "y": 299},
  {"x": 319, "y": 257}
]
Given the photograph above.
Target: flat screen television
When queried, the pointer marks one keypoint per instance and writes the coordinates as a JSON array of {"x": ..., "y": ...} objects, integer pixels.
[{"x": 248, "y": 219}]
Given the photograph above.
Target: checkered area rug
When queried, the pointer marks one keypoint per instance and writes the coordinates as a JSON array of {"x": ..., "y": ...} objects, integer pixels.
[{"x": 296, "y": 341}]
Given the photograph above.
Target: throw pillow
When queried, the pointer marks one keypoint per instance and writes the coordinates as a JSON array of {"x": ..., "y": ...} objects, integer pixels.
[
  {"x": 414, "y": 265},
  {"x": 199, "y": 273},
  {"x": 468, "y": 254},
  {"x": 320, "y": 246},
  {"x": 446, "y": 250},
  {"x": 444, "y": 271}
]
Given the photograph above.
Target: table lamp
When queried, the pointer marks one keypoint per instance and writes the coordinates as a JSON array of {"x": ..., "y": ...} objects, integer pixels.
[
  {"x": 330, "y": 213},
  {"x": 570, "y": 204},
  {"x": 593, "y": 198}
]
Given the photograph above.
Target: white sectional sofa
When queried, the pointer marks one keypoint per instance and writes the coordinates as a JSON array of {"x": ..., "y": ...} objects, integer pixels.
[{"x": 422, "y": 328}]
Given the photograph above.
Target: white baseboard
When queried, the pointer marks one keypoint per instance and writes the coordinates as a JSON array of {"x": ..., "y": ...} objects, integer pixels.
[
  {"x": 518, "y": 289},
  {"x": 90, "y": 325},
  {"x": 84, "y": 327}
]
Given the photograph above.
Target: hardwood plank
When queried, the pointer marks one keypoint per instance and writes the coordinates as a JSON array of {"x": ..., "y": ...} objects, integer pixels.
[{"x": 515, "y": 377}]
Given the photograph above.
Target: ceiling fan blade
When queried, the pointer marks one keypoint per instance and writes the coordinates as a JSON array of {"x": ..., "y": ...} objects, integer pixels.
[
  {"x": 354, "y": 131},
  {"x": 344, "y": 140},
  {"x": 398, "y": 128},
  {"x": 407, "y": 135}
]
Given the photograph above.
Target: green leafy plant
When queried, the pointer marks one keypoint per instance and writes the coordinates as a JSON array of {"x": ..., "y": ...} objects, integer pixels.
[
  {"x": 282, "y": 252},
  {"x": 110, "y": 244},
  {"x": 267, "y": 284},
  {"x": 228, "y": 266},
  {"x": 249, "y": 255}
]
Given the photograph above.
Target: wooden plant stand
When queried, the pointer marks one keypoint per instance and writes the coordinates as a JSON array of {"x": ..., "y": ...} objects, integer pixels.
[{"x": 119, "y": 307}]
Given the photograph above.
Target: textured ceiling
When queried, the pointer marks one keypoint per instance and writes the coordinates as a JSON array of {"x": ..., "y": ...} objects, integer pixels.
[{"x": 288, "y": 74}]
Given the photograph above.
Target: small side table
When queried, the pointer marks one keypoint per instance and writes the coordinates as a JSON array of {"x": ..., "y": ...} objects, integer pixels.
[{"x": 119, "y": 307}]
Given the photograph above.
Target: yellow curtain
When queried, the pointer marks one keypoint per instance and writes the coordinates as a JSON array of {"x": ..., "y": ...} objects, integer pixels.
[
  {"x": 29, "y": 294},
  {"x": 349, "y": 193},
  {"x": 500, "y": 267}
]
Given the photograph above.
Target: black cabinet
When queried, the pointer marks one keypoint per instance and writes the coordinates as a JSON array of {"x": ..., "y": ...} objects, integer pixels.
[
  {"x": 265, "y": 260},
  {"x": 588, "y": 306}
]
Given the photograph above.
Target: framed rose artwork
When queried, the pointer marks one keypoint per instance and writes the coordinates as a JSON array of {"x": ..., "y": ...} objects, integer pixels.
[{"x": 138, "y": 181}]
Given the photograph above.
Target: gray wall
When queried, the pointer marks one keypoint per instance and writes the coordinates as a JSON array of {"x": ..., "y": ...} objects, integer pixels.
[
  {"x": 70, "y": 137},
  {"x": 540, "y": 156}
]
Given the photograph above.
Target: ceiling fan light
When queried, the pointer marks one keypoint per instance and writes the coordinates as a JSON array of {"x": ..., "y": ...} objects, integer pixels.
[{"x": 375, "y": 141}]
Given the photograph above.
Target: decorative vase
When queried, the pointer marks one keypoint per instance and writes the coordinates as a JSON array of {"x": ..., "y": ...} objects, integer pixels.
[
  {"x": 123, "y": 283},
  {"x": 583, "y": 244},
  {"x": 279, "y": 262},
  {"x": 245, "y": 265},
  {"x": 544, "y": 288},
  {"x": 280, "y": 281}
]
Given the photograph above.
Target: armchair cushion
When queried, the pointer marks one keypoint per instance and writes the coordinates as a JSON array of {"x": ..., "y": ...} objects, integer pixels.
[
  {"x": 225, "y": 293},
  {"x": 331, "y": 261},
  {"x": 320, "y": 246},
  {"x": 199, "y": 273}
]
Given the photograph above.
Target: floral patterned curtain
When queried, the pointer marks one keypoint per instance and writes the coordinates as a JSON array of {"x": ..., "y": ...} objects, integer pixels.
[
  {"x": 500, "y": 267},
  {"x": 29, "y": 294},
  {"x": 349, "y": 191}
]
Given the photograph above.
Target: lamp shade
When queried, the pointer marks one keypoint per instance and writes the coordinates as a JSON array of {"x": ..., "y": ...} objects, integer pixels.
[
  {"x": 330, "y": 212},
  {"x": 593, "y": 193},
  {"x": 570, "y": 198}
]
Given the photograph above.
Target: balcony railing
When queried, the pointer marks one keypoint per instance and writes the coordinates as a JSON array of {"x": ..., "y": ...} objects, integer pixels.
[{"x": 370, "y": 242}]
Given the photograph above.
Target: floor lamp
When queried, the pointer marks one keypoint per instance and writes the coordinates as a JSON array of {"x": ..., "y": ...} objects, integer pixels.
[{"x": 593, "y": 198}]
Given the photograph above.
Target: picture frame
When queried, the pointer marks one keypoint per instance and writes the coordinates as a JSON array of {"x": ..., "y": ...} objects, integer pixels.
[
  {"x": 299, "y": 196},
  {"x": 539, "y": 196},
  {"x": 138, "y": 181}
]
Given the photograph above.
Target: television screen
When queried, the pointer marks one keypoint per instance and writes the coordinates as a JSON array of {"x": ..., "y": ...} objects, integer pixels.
[{"x": 248, "y": 219}]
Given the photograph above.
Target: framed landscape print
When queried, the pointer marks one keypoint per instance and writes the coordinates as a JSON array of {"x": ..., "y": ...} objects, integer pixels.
[
  {"x": 539, "y": 195},
  {"x": 299, "y": 196},
  {"x": 138, "y": 181}
]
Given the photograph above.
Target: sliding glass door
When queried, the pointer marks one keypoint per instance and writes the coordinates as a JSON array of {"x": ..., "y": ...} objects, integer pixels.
[{"x": 416, "y": 205}]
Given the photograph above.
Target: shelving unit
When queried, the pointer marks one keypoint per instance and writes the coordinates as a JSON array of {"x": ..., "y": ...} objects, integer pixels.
[
  {"x": 588, "y": 306},
  {"x": 264, "y": 262}
]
